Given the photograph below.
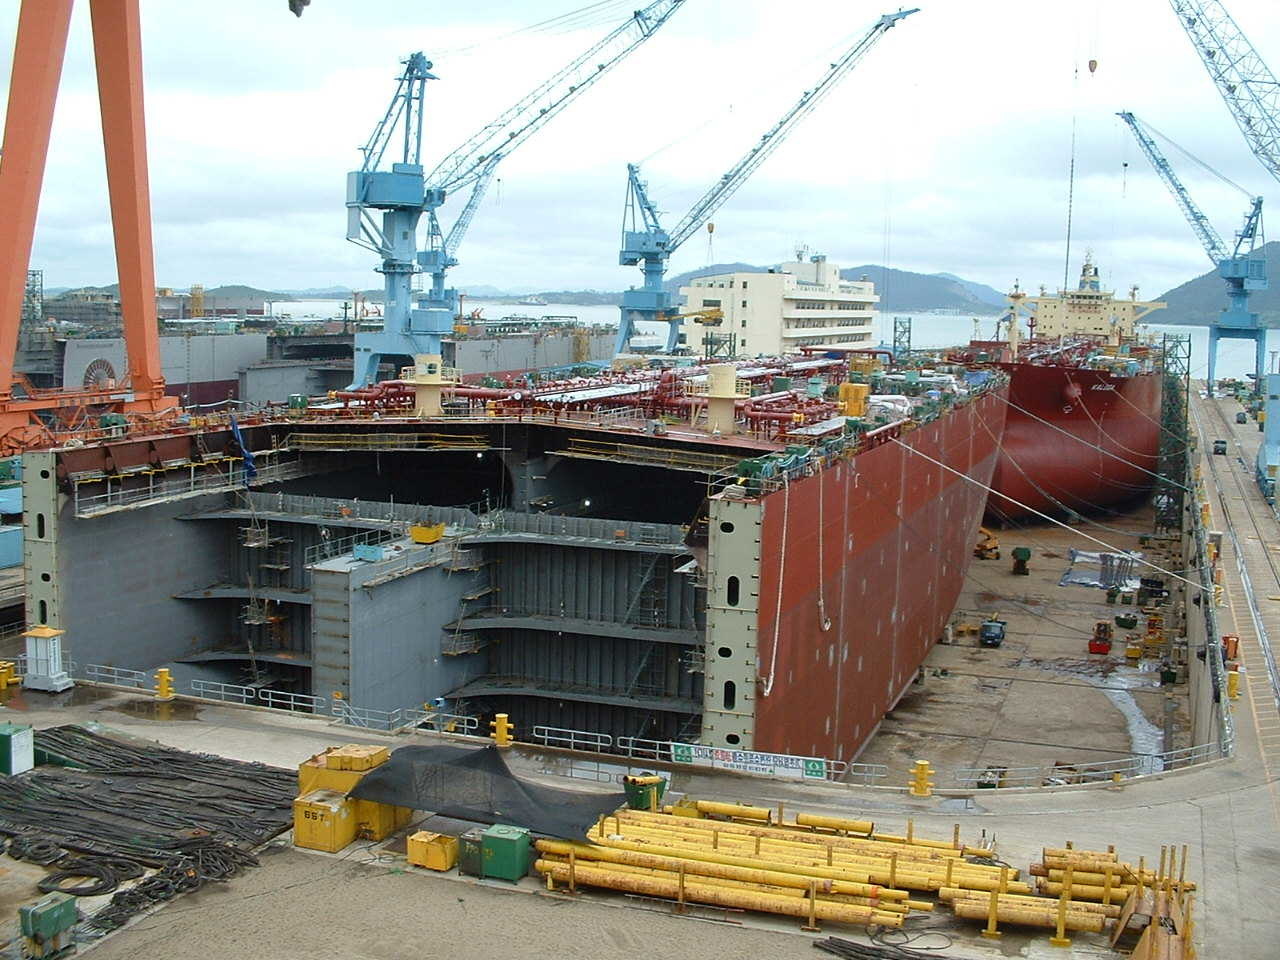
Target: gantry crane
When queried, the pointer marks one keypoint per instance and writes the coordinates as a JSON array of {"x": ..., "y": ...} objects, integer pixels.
[
  {"x": 27, "y": 420},
  {"x": 645, "y": 242},
  {"x": 1246, "y": 84},
  {"x": 414, "y": 321},
  {"x": 1242, "y": 265}
]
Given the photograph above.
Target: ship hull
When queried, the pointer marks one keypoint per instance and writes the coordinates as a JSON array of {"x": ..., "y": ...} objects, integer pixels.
[
  {"x": 863, "y": 568},
  {"x": 1076, "y": 440}
]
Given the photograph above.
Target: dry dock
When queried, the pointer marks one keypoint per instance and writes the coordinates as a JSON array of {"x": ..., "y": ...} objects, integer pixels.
[{"x": 1040, "y": 698}]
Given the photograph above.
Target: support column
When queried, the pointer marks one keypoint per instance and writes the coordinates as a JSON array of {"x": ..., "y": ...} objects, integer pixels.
[
  {"x": 33, "y": 88},
  {"x": 117, "y": 47}
]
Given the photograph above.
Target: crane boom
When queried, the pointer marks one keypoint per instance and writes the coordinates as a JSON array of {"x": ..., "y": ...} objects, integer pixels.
[
  {"x": 728, "y": 184},
  {"x": 1246, "y": 83},
  {"x": 416, "y": 320},
  {"x": 1243, "y": 268},
  {"x": 514, "y": 125},
  {"x": 1200, "y": 225},
  {"x": 645, "y": 242}
]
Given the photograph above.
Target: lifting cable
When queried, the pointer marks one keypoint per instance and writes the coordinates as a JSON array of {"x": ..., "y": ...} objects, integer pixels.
[
  {"x": 1045, "y": 516},
  {"x": 767, "y": 687}
]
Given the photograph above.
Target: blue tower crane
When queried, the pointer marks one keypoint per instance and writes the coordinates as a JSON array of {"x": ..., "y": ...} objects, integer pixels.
[
  {"x": 1246, "y": 84},
  {"x": 645, "y": 242},
  {"x": 1242, "y": 265},
  {"x": 414, "y": 321}
]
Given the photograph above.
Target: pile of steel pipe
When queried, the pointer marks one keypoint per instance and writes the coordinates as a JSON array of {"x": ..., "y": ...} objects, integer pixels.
[{"x": 795, "y": 849}]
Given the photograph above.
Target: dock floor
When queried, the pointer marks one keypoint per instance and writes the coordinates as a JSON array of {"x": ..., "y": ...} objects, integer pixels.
[{"x": 1041, "y": 697}]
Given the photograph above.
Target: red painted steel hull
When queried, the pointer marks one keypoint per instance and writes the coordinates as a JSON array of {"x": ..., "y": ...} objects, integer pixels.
[
  {"x": 880, "y": 548},
  {"x": 1107, "y": 436}
]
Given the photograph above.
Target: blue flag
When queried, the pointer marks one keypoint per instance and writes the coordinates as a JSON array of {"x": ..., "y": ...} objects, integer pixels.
[{"x": 250, "y": 468}]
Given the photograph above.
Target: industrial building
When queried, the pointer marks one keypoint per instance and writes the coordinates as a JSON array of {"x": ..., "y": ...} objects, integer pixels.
[{"x": 799, "y": 304}]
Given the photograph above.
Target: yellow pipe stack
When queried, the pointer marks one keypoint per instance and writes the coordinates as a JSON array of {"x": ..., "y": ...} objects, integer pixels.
[{"x": 750, "y": 857}]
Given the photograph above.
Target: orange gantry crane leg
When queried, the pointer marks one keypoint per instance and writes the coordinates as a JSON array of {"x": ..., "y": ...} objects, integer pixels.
[{"x": 37, "y": 68}]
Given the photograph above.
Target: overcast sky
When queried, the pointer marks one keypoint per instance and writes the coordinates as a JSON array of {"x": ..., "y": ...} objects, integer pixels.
[{"x": 947, "y": 149}]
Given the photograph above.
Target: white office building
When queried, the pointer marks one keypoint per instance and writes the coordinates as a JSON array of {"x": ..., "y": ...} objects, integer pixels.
[{"x": 797, "y": 305}]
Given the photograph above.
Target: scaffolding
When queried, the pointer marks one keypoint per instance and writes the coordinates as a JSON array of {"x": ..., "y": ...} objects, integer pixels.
[
  {"x": 901, "y": 339},
  {"x": 1170, "y": 493},
  {"x": 719, "y": 346},
  {"x": 33, "y": 300}
]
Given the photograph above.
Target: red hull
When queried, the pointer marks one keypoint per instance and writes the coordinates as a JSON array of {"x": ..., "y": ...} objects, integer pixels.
[
  {"x": 880, "y": 547},
  {"x": 1075, "y": 440}
]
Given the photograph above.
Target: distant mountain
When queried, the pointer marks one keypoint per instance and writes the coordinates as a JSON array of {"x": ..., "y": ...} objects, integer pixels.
[
  {"x": 980, "y": 290},
  {"x": 249, "y": 293},
  {"x": 905, "y": 292},
  {"x": 1198, "y": 302}
]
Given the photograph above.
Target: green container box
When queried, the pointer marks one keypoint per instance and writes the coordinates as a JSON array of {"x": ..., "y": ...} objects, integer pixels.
[
  {"x": 471, "y": 853},
  {"x": 643, "y": 796},
  {"x": 17, "y": 748},
  {"x": 507, "y": 852},
  {"x": 47, "y": 918}
]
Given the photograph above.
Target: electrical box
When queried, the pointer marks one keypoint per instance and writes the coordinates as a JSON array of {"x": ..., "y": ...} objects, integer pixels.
[
  {"x": 506, "y": 852},
  {"x": 17, "y": 748},
  {"x": 434, "y": 851},
  {"x": 48, "y": 925},
  {"x": 471, "y": 853},
  {"x": 323, "y": 820}
]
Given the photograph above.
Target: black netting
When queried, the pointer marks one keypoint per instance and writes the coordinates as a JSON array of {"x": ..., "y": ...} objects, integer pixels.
[{"x": 476, "y": 784}]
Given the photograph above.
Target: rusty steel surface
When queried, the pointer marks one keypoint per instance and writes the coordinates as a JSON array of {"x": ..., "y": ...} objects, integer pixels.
[
  {"x": 1107, "y": 436},
  {"x": 862, "y": 564}
]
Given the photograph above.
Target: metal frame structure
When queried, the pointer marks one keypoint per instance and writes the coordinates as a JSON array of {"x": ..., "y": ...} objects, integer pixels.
[
  {"x": 901, "y": 339},
  {"x": 645, "y": 242},
  {"x": 1242, "y": 266},
  {"x": 415, "y": 321},
  {"x": 1170, "y": 487},
  {"x": 1247, "y": 85},
  {"x": 40, "y": 48}
]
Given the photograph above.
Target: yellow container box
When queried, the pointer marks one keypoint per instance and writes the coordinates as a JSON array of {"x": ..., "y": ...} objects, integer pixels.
[
  {"x": 377, "y": 821},
  {"x": 323, "y": 820},
  {"x": 434, "y": 851},
  {"x": 355, "y": 756},
  {"x": 431, "y": 534}
]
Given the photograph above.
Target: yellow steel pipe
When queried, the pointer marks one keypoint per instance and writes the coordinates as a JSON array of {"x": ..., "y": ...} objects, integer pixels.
[
  {"x": 1075, "y": 853},
  {"x": 781, "y": 891},
  {"x": 677, "y": 888},
  {"x": 877, "y": 872},
  {"x": 705, "y": 831},
  {"x": 1027, "y": 916},
  {"x": 934, "y": 849},
  {"x": 1121, "y": 873},
  {"x": 1087, "y": 891},
  {"x": 829, "y": 853},
  {"x": 709, "y": 868},
  {"x": 834, "y": 823},
  {"x": 733, "y": 810},
  {"x": 950, "y": 894}
]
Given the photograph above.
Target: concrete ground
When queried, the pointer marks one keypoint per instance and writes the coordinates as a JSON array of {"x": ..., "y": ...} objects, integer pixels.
[{"x": 1042, "y": 697}]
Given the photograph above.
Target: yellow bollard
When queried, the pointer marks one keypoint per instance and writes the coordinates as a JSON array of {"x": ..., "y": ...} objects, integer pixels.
[
  {"x": 8, "y": 674},
  {"x": 164, "y": 684},
  {"x": 502, "y": 730},
  {"x": 921, "y": 785}
]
